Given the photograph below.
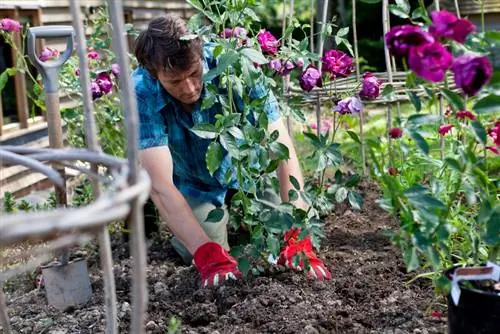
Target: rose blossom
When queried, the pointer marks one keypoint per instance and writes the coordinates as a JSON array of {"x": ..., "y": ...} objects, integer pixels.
[
  {"x": 393, "y": 171},
  {"x": 268, "y": 43},
  {"x": 495, "y": 133},
  {"x": 96, "y": 90},
  {"x": 299, "y": 63},
  {"x": 444, "y": 129},
  {"x": 371, "y": 87},
  {"x": 447, "y": 25},
  {"x": 93, "y": 55},
  {"x": 400, "y": 39},
  {"x": 396, "y": 133},
  {"x": 103, "y": 79},
  {"x": 236, "y": 32},
  {"x": 9, "y": 25},
  {"x": 337, "y": 63},
  {"x": 115, "y": 69},
  {"x": 48, "y": 54},
  {"x": 430, "y": 61},
  {"x": 310, "y": 78},
  {"x": 471, "y": 73},
  {"x": 463, "y": 114},
  {"x": 349, "y": 105}
]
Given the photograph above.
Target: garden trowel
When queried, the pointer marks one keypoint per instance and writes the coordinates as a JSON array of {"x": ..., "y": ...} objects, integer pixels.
[{"x": 67, "y": 283}]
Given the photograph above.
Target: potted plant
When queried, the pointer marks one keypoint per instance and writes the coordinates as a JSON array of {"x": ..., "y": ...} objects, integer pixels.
[{"x": 441, "y": 175}]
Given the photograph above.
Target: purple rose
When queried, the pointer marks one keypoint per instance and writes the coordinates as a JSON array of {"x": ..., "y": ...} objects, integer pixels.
[
  {"x": 349, "y": 105},
  {"x": 95, "y": 90},
  {"x": 48, "y": 54},
  {"x": 371, "y": 87},
  {"x": 310, "y": 78},
  {"x": 337, "y": 63},
  {"x": 430, "y": 61},
  {"x": 288, "y": 66},
  {"x": 268, "y": 43},
  {"x": 471, "y": 73},
  {"x": 93, "y": 55},
  {"x": 275, "y": 64},
  {"x": 299, "y": 63},
  {"x": 115, "y": 69},
  {"x": 236, "y": 32},
  {"x": 103, "y": 79},
  {"x": 401, "y": 38},
  {"x": 447, "y": 25},
  {"x": 9, "y": 25}
]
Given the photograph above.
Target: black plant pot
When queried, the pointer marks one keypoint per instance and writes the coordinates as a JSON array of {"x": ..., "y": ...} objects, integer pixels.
[{"x": 478, "y": 312}]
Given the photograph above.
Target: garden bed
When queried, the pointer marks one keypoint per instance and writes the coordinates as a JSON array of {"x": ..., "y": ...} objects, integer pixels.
[{"x": 367, "y": 294}]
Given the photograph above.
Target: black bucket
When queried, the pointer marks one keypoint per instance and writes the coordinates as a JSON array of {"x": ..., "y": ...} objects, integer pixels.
[{"x": 477, "y": 312}]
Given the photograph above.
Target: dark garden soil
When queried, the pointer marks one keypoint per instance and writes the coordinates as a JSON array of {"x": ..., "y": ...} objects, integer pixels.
[{"x": 368, "y": 292}]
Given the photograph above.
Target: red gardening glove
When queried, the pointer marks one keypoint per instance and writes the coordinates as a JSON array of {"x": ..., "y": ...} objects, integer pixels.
[
  {"x": 214, "y": 264},
  {"x": 293, "y": 247}
]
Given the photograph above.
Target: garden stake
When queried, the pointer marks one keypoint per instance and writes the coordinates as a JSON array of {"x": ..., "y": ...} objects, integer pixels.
[
  {"x": 67, "y": 283},
  {"x": 385, "y": 20},
  {"x": 441, "y": 138},
  {"x": 4, "y": 317},
  {"x": 93, "y": 145},
  {"x": 457, "y": 9},
  {"x": 320, "y": 64}
]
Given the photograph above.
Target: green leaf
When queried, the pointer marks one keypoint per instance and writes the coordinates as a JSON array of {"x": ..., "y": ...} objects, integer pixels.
[
  {"x": 410, "y": 256},
  {"x": 355, "y": 200},
  {"x": 4, "y": 77},
  {"x": 388, "y": 92},
  {"x": 415, "y": 100},
  {"x": 342, "y": 32},
  {"x": 226, "y": 60},
  {"x": 304, "y": 44},
  {"x": 229, "y": 143},
  {"x": 398, "y": 11},
  {"x": 454, "y": 164},
  {"x": 454, "y": 98},
  {"x": 214, "y": 157},
  {"x": 487, "y": 105},
  {"x": 273, "y": 165},
  {"x": 263, "y": 120},
  {"x": 370, "y": 1},
  {"x": 205, "y": 131},
  {"x": 215, "y": 215},
  {"x": 292, "y": 195},
  {"x": 244, "y": 265},
  {"x": 419, "y": 13},
  {"x": 254, "y": 55},
  {"x": 419, "y": 119},
  {"x": 420, "y": 141},
  {"x": 404, "y": 5},
  {"x": 194, "y": 22},
  {"x": 294, "y": 182},
  {"x": 251, "y": 13},
  {"x": 341, "y": 195},
  {"x": 273, "y": 244},
  {"x": 354, "y": 136},
  {"x": 479, "y": 131},
  {"x": 423, "y": 200},
  {"x": 353, "y": 180}
]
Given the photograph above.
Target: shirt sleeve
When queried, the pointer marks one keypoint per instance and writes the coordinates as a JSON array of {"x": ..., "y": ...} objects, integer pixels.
[
  {"x": 152, "y": 128},
  {"x": 270, "y": 103}
]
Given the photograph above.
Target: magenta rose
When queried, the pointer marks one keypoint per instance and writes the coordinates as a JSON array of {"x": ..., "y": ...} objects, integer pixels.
[
  {"x": 268, "y": 43},
  {"x": 430, "y": 61},
  {"x": 349, "y": 105},
  {"x": 93, "y": 55},
  {"x": 103, "y": 79},
  {"x": 310, "y": 78},
  {"x": 447, "y": 25},
  {"x": 371, "y": 87},
  {"x": 48, "y": 54},
  {"x": 396, "y": 133},
  {"x": 472, "y": 73},
  {"x": 337, "y": 63},
  {"x": 464, "y": 114},
  {"x": 401, "y": 38},
  {"x": 9, "y": 25},
  {"x": 444, "y": 129}
]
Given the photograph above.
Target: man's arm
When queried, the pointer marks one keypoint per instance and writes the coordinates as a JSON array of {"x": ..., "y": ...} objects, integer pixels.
[
  {"x": 289, "y": 167},
  {"x": 171, "y": 204}
]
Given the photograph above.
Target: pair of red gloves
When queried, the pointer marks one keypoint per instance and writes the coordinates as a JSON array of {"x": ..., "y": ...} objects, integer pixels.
[{"x": 215, "y": 265}]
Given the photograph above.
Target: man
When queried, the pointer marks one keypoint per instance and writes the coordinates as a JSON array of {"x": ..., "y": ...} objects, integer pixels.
[{"x": 169, "y": 91}]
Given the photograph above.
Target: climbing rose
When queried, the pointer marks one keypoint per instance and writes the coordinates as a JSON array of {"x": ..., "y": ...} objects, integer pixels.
[
  {"x": 396, "y": 133},
  {"x": 77, "y": 72},
  {"x": 471, "y": 73},
  {"x": 463, "y": 114},
  {"x": 430, "y": 61},
  {"x": 393, "y": 171},
  {"x": 493, "y": 149},
  {"x": 48, "y": 54},
  {"x": 371, "y": 87},
  {"x": 349, "y": 105},
  {"x": 236, "y": 32},
  {"x": 103, "y": 79},
  {"x": 495, "y": 133},
  {"x": 115, "y": 69},
  {"x": 325, "y": 126},
  {"x": 275, "y": 64},
  {"x": 447, "y": 25},
  {"x": 93, "y": 55},
  {"x": 444, "y": 129},
  {"x": 95, "y": 90},
  {"x": 310, "y": 78},
  {"x": 337, "y": 63},
  {"x": 401, "y": 38},
  {"x": 9, "y": 25},
  {"x": 299, "y": 62},
  {"x": 288, "y": 66},
  {"x": 268, "y": 43}
]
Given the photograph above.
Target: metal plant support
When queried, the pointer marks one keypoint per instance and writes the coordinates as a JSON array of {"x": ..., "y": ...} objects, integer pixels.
[{"x": 120, "y": 189}]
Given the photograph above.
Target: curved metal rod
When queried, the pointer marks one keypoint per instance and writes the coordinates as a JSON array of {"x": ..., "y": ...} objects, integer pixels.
[{"x": 13, "y": 158}]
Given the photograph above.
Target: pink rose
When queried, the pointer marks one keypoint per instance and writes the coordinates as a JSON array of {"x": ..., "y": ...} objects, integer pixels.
[{"x": 268, "y": 43}]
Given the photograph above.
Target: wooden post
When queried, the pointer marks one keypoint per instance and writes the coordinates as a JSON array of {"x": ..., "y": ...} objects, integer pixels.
[{"x": 19, "y": 81}]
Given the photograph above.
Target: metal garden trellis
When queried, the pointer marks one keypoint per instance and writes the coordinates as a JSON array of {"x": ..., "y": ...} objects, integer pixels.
[{"x": 126, "y": 189}]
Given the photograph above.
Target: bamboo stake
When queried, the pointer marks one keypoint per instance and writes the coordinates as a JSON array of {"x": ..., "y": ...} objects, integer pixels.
[
  {"x": 320, "y": 64},
  {"x": 286, "y": 79},
  {"x": 436, "y": 3},
  {"x": 457, "y": 8},
  {"x": 311, "y": 29},
  {"x": 385, "y": 19},
  {"x": 441, "y": 138},
  {"x": 136, "y": 218},
  {"x": 358, "y": 78},
  {"x": 92, "y": 143}
]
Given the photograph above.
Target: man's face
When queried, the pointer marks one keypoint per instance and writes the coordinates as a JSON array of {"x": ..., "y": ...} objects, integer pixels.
[{"x": 183, "y": 86}]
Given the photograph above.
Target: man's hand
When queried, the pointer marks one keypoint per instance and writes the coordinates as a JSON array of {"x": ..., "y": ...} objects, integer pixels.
[
  {"x": 214, "y": 264},
  {"x": 294, "y": 247}
]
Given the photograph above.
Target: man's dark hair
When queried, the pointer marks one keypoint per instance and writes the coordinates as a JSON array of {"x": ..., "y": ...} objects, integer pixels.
[{"x": 159, "y": 47}]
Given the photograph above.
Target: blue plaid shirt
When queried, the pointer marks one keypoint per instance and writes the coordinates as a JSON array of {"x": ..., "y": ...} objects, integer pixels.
[{"x": 162, "y": 121}]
